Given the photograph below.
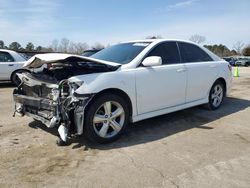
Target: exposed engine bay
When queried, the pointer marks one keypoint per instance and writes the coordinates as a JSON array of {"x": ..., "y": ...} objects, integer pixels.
[{"x": 49, "y": 97}]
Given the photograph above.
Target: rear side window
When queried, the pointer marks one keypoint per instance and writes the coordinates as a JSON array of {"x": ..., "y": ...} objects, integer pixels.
[
  {"x": 192, "y": 53},
  {"x": 168, "y": 51},
  {"x": 6, "y": 57}
]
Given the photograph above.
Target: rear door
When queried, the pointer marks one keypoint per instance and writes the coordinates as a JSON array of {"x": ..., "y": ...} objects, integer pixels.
[
  {"x": 201, "y": 71},
  {"x": 163, "y": 86}
]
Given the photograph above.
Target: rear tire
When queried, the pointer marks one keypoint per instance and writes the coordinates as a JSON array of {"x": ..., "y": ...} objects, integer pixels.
[
  {"x": 216, "y": 95},
  {"x": 106, "y": 118}
]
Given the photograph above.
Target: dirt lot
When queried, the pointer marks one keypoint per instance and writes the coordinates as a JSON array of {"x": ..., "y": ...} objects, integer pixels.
[{"x": 190, "y": 148}]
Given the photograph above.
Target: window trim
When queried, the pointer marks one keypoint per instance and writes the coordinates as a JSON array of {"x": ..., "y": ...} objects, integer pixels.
[
  {"x": 145, "y": 56},
  {"x": 197, "y": 47},
  {"x": 13, "y": 60}
]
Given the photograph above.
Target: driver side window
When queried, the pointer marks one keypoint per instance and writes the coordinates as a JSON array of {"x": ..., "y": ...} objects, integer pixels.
[
  {"x": 6, "y": 57},
  {"x": 168, "y": 51}
]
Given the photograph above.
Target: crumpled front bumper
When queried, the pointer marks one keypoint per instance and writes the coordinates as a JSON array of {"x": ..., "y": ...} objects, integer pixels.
[
  {"x": 54, "y": 113},
  {"x": 38, "y": 108}
]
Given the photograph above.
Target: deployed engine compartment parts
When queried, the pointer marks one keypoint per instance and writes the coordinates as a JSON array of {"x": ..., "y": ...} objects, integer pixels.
[
  {"x": 54, "y": 106},
  {"x": 48, "y": 96}
]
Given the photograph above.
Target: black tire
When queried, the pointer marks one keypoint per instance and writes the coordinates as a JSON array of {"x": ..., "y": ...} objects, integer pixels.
[
  {"x": 89, "y": 127},
  {"x": 14, "y": 78},
  {"x": 211, "y": 104},
  {"x": 247, "y": 64}
]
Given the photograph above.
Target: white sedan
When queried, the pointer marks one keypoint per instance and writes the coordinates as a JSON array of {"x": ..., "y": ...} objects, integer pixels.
[
  {"x": 127, "y": 82},
  {"x": 10, "y": 64}
]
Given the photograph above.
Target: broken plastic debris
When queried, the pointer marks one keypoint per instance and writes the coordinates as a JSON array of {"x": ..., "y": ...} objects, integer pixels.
[{"x": 63, "y": 132}]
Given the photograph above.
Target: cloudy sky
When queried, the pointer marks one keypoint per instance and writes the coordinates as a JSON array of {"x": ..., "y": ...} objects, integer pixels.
[{"x": 111, "y": 21}]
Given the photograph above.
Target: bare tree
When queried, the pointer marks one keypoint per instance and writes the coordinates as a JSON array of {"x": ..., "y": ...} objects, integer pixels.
[
  {"x": 197, "y": 38},
  {"x": 72, "y": 47},
  {"x": 98, "y": 46},
  {"x": 77, "y": 48},
  {"x": 64, "y": 45},
  {"x": 54, "y": 45},
  {"x": 238, "y": 46},
  {"x": 81, "y": 47}
]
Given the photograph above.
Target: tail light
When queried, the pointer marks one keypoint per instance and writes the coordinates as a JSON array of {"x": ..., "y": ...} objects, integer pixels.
[{"x": 229, "y": 67}]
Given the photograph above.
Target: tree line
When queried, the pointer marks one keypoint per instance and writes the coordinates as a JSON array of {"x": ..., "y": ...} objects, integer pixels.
[
  {"x": 66, "y": 46},
  {"x": 239, "y": 48}
]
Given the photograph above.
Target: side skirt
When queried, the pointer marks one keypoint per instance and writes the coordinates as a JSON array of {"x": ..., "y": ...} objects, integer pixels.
[{"x": 168, "y": 110}]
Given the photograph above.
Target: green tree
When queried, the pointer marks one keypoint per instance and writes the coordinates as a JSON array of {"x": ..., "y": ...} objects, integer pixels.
[
  {"x": 30, "y": 46},
  {"x": 39, "y": 48},
  {"x": 1, "y": 44},
  {"x": 246, "y": 51},
  {"x": 154, "y": 37},
  {"x": 15, "y": 46},
  {"x": 220, "y": 50}
]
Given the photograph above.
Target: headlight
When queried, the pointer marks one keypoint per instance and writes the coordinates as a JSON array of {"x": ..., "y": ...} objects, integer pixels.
[{"x": 76, "y": 85}]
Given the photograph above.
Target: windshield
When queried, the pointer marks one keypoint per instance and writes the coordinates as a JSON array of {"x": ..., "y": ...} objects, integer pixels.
[{"x": 121, "y": 53}]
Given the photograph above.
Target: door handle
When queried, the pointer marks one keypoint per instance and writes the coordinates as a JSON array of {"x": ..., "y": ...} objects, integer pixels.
[
  {"x": 10, "y": 65},
  {"x": 181, "y": 70}
]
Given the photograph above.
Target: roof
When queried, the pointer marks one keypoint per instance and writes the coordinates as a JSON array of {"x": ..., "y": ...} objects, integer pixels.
[
  {"x": 5, "y": 50},
  {"x": 159, "y": 40},
  {"x": 14, "y": 54}
]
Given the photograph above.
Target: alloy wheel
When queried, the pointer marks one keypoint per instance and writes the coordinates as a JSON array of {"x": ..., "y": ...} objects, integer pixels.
[
  {"x": 109, "y": 119},
  {"x": 217, "y": 95}
]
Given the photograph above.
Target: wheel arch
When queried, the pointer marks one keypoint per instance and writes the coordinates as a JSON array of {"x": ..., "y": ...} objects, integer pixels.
[
  {"x": 223, "y": 81},
  {"x": 17, "y": 71},
  {"x": 118, "y": 92}
]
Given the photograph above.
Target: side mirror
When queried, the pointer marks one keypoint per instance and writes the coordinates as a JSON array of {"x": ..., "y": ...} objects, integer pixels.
[{"x": 152, "y": 61}]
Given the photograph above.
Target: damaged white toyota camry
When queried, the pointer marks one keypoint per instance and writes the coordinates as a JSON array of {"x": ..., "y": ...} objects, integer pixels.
[{"x": 127, "y": 82}]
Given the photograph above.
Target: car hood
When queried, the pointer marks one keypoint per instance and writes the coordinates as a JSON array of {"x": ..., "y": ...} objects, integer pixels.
[{"x": 40, "y": 59}]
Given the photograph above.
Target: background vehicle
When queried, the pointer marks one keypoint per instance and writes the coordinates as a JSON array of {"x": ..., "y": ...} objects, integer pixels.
[
  {"x": 10, "y": 64},
  {"x": 130, "y": 81},
  {"x": 243, "y": 62},
  {"x": 230, "y": 60},
  {"x": 88, "y": 53}
]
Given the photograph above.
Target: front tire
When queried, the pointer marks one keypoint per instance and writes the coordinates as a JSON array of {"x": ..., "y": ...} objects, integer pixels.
[
  {"x": 216, "y": 95},
  {"x": 106, "y": 118}
]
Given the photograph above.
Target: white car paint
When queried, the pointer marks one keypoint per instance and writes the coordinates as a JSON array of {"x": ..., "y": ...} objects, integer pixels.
[
  {"x": 152, "y": 90},
  {"x": 40, "y": 59},
  {"x": 7, "y": 68},
  {"x": 154, "y": 95}
]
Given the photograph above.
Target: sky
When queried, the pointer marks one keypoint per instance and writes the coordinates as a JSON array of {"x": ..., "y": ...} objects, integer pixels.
[{"x": 112, "y": 21}]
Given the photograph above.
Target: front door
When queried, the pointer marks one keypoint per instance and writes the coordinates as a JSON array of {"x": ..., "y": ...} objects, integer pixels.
[{"x": 161, "y": 86}]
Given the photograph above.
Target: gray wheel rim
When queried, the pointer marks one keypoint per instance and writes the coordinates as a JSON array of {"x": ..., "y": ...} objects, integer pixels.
[
  {"x": 217, "y": 95},
  {"x": 109, "y": 119}
]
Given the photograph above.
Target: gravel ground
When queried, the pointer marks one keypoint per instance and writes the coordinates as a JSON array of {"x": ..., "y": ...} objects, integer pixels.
[{"x": 189, "y": 148}]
